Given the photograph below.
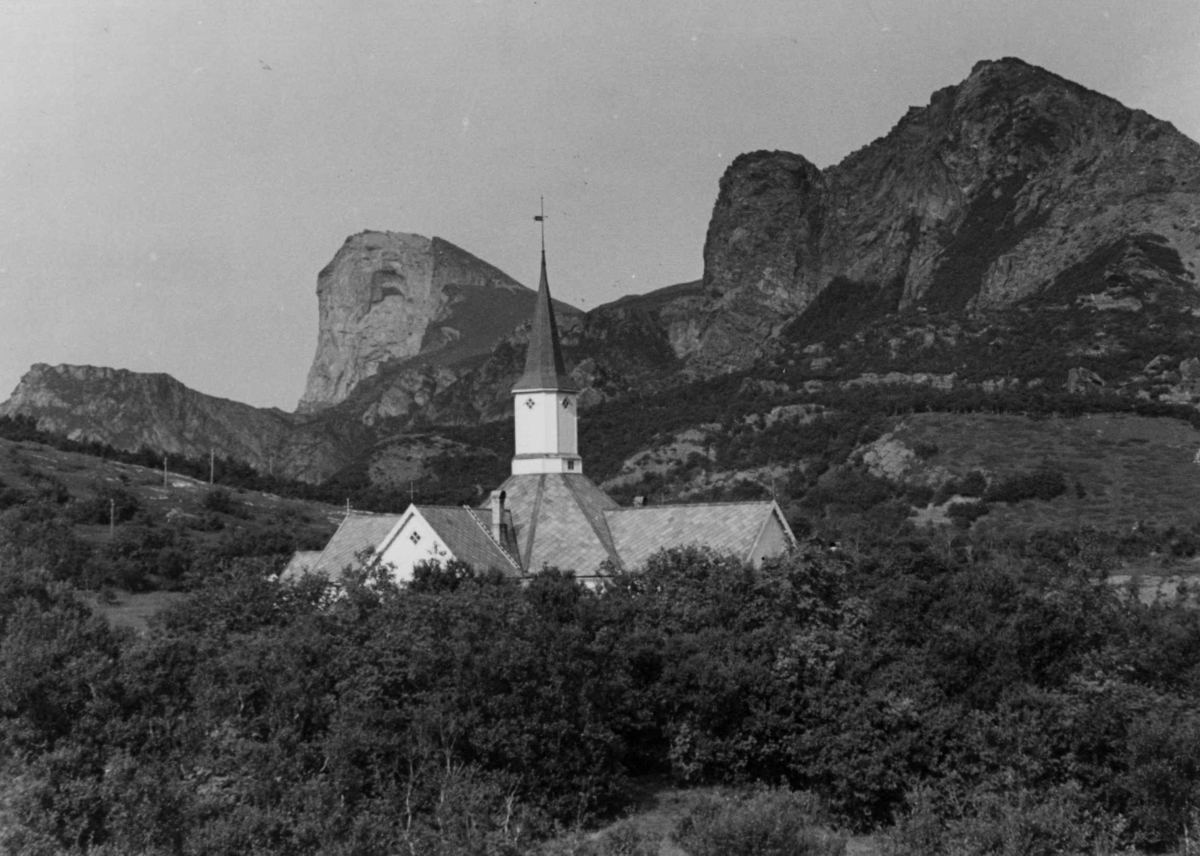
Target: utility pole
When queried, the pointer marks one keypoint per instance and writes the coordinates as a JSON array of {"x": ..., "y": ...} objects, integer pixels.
[
  {"x": 112, "y": 519},
  {"x": 212, "y": 465},
  {"x": 164, "y": 470}
]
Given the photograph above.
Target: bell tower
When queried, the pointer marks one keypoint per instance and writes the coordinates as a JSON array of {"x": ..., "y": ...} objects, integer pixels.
[{"x": 545, "y": 403}]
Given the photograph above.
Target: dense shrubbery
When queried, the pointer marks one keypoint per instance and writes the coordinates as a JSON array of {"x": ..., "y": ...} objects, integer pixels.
[
  {"x": 1044, "y": 484},
  {"x": 963, "y": 514},
  {"x": 766, "y": 823},
  {"x": 973, "y": 698},
  {"x": 109, "y": 504}
]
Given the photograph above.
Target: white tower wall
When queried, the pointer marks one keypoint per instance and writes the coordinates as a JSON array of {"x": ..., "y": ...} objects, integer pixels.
[{"x": 547, "y": 432}]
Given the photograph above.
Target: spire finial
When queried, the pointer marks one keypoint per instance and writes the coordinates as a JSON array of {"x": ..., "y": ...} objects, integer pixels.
[{"x": 541, "y": 218}]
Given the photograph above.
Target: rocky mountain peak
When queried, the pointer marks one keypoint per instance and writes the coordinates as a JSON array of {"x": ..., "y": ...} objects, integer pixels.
[
  {"x": 390, "y": 296},
  {"x": 978, "y": 199}
]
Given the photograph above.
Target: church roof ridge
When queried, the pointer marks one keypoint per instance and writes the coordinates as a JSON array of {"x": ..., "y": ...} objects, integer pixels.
[
  {"x": 737, "y": 502},
  {"x": 544, "y": 367}
]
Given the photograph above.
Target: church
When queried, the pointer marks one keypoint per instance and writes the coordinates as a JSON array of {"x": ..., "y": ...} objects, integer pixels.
[{"x": 548, "y": 513}]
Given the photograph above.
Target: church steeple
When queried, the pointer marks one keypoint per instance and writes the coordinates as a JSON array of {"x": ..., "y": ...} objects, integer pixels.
[
  {"x": 544, "y": 367},
  {"x": 544, "y": 402}
]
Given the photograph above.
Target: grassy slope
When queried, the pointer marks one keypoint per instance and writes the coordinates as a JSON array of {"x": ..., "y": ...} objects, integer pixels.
[
  {"x": 27, "y": 465},
  {"x": 1132, "y": 469},
  {"x": 23, "y": 463}
]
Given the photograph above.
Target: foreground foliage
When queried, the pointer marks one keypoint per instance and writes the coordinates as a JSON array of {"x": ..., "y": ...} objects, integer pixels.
[{"x": 965, "y": 698}]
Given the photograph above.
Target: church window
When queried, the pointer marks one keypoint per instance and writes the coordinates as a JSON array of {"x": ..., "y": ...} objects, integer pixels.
[
  {"x": 529, "y": 403},
  {"x": 415, "y": 537},
  {"x": 570, "y": 465}
]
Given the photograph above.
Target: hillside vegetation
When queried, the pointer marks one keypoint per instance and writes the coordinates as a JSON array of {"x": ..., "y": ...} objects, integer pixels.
[
  {"x": 102, "y": 523},
  {"x": 948, "y": 699}
]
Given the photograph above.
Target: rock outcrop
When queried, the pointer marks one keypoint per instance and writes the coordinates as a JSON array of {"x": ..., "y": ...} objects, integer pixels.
[
  {"x": 388, "y": 297},
  {"x": 995, "y": 191}
]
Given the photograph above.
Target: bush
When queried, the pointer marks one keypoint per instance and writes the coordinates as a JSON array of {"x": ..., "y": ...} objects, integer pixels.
[
  {"x": 1022, "y": 822},
  {"x": 49, "y": 488},
  {"x": 1043, "y": 484},
  {"x": 963, "y": 514},
  {"x": 766, "y": 823},
  {"x": 973, "y": 483},
  {"x": 219, "y": 501},
  {"x": 111, "y": 503},
  {"x": 925, "y": 449}
]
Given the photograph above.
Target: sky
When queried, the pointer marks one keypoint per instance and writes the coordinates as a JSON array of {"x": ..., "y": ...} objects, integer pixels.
[{"x": 174, "y": 175}]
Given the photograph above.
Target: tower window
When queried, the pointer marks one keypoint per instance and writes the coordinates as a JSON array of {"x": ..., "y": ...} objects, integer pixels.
[
  {"x": 566, "y": 404},
  {"x": 415, "y": 537},
  {"x": 570, "y": 465},
  {"x": 529, "y": 403}
]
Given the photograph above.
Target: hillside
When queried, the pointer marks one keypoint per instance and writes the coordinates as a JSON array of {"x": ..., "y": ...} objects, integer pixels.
[
  {"x": 1019, "y": 245},
  {"x": 131, "y": 410},
  {"x": 111, "y": 525}
]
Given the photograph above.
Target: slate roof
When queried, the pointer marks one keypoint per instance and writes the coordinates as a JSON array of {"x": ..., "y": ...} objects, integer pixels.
[
  {"x": 358, "y": 532},
  {"x": 467, "y": 532},
  {"x": 558, "y": 520},
  {"x": 299, "y": 564},
  {"x": 728, "y": 527},
  {"x": 544, "y": 367}
]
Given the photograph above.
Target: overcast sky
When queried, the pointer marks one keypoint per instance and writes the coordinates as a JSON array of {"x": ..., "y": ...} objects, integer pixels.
[{"x": 174, "y": 175}]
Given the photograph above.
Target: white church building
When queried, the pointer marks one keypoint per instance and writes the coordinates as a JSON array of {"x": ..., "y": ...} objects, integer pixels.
[{"x": 547, "y": 513}]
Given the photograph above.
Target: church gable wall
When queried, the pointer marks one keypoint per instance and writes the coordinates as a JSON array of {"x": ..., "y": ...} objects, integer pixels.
[
  {"x": 414, "y": 541},
  {"x": 772, "y": 541}
]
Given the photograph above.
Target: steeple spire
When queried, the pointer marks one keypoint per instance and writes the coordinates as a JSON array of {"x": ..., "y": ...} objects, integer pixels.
[
  {"x": 544, "y": 368},
  {"x": 545, "y": 418}
]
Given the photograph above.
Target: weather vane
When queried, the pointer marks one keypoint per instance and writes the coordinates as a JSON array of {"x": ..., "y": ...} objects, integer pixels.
[{"x": 541, "y": 218}]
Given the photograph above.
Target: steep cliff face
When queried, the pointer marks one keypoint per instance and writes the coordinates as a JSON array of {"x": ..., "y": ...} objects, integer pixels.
[
  {"x": 975, "y": 201},
  {"x": 128, "y": 410},
  {"x": 388, "y": 297}
]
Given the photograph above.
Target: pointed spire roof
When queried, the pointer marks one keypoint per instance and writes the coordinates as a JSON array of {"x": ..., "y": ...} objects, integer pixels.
[{"x": 544, "y": 368}]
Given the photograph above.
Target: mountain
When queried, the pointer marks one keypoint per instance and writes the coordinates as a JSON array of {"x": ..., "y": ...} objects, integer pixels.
[
  {"x": 388, "y": 297},
  {"x": 1013, "y": 187},
  {"x": 129, "y": 410},
  {"x": 401, "y": 317},
  {"x": 1020, "y": 243},
  {"x": 990, "y": 194}
]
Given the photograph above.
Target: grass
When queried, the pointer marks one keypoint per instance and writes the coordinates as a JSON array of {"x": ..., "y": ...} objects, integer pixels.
[
  {"x": 1129, "y": 469},
  {"x": 26, "y": 465}
]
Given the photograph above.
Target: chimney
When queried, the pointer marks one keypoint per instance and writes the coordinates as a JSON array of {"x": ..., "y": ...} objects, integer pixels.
[{"x": 498, "y": 516}]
